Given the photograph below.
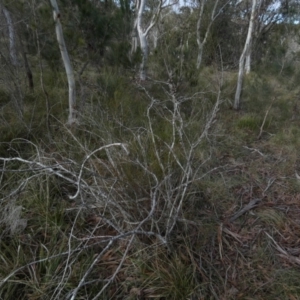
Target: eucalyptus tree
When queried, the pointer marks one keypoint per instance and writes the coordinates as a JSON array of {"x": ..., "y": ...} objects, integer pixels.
[
  {"x": 12, "y": 36},
  {"x": 289, "y": 11},
  {"x": 201, "y": 42},
  {"x": 143, "y": 31},
  {"x": 245, "y": 52},
  {"x": 268, "y": 14},
  {"x": 67, "y": 63},
  {"x": 143, "y": 28},
  {"x": 11, "y": 75}
]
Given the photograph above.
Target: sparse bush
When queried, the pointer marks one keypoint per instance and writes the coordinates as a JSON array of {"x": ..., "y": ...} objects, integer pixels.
[{"x": 126, "y": 191}]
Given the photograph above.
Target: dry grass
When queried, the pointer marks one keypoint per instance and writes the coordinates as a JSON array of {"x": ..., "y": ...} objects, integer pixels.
[{"x": 237, "y": 229}]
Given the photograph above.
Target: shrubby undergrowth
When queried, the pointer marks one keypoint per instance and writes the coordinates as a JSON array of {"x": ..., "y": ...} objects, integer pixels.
[{"x": 82, "y": 205}]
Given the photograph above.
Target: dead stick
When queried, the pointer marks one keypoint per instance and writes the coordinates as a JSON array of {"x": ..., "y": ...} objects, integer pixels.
[
  {"x": 264, "y": 121},
  {"x": 253, "y": 203}
]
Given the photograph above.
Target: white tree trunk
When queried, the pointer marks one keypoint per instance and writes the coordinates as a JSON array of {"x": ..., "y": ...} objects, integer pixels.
[
  {"x": 134, "y": 39},
  {"x": 142, "y": 38},
  {"x": 12, "y": 39},
  {"x": 248, "y": 61},
  {"x": 143, "y": 33},
  {"x": 246, "y": 51},
  {"x": 201, "y": 43},
  {"x": 67, "y": 63},
  {"x": 144, "y": 48},
  {"x": 155, "y": 37}
]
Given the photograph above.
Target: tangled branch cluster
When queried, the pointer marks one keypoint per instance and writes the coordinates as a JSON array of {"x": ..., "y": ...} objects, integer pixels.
[{"x": 105, "y": 186}]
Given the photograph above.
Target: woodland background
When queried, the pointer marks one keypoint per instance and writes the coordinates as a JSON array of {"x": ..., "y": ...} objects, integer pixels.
[{"x": 149, "y": 150}]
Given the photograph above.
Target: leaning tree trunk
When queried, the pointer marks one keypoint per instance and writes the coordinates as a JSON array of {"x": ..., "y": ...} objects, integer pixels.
[
  {"x": 67, "y": 63},
  {"x": 246, "y": 51},
  {"x": 248, "y": 61}
]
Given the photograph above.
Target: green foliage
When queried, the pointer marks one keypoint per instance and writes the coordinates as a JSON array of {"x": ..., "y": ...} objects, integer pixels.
[
  {"x": 118, "y": 54},
  {"x": 286, "y": 283},
  {"x": 103, "y": 24},
  {"x": 4, "y": 98},
  {"x": 226, "y": 41},
  {"x": 288, "y": 136},
  {"x": 164, "y": 277},
  {"x": 249, "y": 121},
  {"x": 176, "y": 48},
  {"x": 272, "y": 217}
]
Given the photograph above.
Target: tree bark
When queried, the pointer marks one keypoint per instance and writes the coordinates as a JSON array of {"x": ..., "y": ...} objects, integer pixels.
[
  {"x": 201, "y": 43},
  {"x": 142, "y": 39},
  {"x": 26, "y": 64},
  {"x": 67, "y": 63},
  {"x": 143, "y": 33},
  {"x": 134, "y": 39},
  {"x": 11, "y": 35},
  {"x": 248, "y": 61},
  {"x": 246, "y": 51}
]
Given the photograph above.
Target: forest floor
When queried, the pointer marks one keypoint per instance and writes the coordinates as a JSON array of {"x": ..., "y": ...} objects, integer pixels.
[{"x": 238, "y": 236}]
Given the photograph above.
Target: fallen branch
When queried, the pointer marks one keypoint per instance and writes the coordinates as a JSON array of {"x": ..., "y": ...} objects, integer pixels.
[
  {"x": 253, "y": 203},
  {"x": 264, "y": 120},
  {"x": 284, "y": 253}
]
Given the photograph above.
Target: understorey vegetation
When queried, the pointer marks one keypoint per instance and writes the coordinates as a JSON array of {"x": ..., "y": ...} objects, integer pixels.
[{"x": 157, "y": 186}]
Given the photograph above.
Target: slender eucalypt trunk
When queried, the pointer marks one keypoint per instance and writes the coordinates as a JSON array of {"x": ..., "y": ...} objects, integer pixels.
[
  {"x": 12, "y": 36},
  {"x": 245, "y": 53},
  {"x": 67, "y": 63},
  {"x": 201, "y": 42},
  {"x": 143, "y": 33}
]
